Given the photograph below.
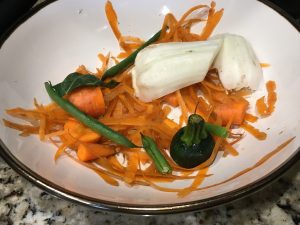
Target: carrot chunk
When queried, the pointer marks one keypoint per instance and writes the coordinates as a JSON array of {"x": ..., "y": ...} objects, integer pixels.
[
  {"x": 89, "y": 100},
  {"x": 76, "y": 130},
  {"x": 233, "y": 107},
  {"x": 90, "y": 151}
]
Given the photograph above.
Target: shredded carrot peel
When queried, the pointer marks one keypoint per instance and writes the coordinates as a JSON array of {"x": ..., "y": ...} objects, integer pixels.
[
  {"x": 255, "y": 132},
  {"x": 267, "y": 109},
  {"x": 127, "y": 43},
  {"x": 250, "y": 118},
  {"x": 263, "y": 65}
]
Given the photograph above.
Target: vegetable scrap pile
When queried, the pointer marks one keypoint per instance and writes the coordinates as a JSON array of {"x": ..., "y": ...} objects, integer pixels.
[{"x": 97, "y": 119}]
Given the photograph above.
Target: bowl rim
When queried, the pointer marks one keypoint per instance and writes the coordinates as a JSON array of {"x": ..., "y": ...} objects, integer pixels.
[{"x": 139, "y": 209}]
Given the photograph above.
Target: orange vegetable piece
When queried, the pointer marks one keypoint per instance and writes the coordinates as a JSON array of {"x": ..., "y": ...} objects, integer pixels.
[
  {"x": 112, "y": 19},
  {"x": 263, "y": 65},
  {"x": 78, "y": 131},
  {"x": 231, "y": 107},
  {"x": 255, "y": 132},
  {"x": 251, "y": 118},
  {"x": 90, "y": 151},
  {"x": 89, "y": 100},
  {"x": 272, "y": 96},
  {"x": 132, "y": 167},
  {"x": 171, "y": 99},
  {"x": 267, "y": 109},
  {"x": 213, "y": 19},
  {"x": 261, "y": 106}
]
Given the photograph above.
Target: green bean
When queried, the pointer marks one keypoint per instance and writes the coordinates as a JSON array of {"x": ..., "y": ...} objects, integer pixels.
[
  {"x": 88, "y": 120},
  {"x": 152, "y": 150},
  {"x": 121, "y": 66}
]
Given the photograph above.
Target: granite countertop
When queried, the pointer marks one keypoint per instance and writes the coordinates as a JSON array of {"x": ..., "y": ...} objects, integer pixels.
[{"x": 23, "y": 203}]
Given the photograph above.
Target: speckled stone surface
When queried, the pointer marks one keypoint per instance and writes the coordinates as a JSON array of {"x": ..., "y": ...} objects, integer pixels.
[{"x": 23, "y": 203}]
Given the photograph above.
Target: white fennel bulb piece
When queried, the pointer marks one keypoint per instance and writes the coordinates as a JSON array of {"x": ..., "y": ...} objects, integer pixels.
[
  {"x": 237, "y": 63},
  {"x": 161, "y": 69}
]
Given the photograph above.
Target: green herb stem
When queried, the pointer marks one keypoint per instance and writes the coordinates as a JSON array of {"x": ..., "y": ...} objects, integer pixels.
[
  {"x": 121, "y": 66},
  {"x": 88, "y": 120},
  {"x": 194, "y": 131},
  {"x": 159, "y": 160},
  {"x": 216, "y": 130}
]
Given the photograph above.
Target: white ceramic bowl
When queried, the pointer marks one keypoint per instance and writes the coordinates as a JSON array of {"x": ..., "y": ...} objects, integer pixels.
[{"x": 56, "y": 37}]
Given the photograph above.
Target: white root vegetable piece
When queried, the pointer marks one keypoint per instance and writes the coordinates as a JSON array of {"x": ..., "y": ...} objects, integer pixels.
[
  {"x": 237, "y": 63},
  {"x": 161, "y": 69}
]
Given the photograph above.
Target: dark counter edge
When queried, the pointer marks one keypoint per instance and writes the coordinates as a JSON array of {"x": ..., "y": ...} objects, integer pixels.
[{"x": 60, "y": 192}]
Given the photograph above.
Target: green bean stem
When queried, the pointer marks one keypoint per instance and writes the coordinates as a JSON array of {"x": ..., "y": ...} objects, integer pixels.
[
  {"x": 216, "y": 130},
  {"x": 88, "y": 120},
  {"x": 152, "y": 150},
  {"x": 194, "y": 131},
  {"x": 121, "y": 66}
]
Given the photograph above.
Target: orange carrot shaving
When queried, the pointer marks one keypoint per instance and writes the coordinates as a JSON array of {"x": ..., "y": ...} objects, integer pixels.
[
  {"x": 62, "y": 149},
  {"x": 28, "y": 115},
  {"x": 171, "y": 99},
  {"x": 115, "y": 163},
  {"x": 263, "y": 65},
  {"x": 184, "y": 111},
  {"x": 124, "y": 55},
  {"x": 262, "y": 108},
  {"x": 132, "y": 167},
  {"x": 213, "y": 19},
  {"x": 112, "y": 19},
  {"x": 127, "y": 104},
  {"x": 168, "y": 28},
  {"x": 272, "y": 96},
  {"x": 24, "y": 128},
  {"x": 171, "y": 124},
  {"x": 107, "y": 178},
  {"x": 83, "y": 70},
  {"x": 128, "y": 43},
  {"x": 189, "y": 12},
  {"x": 104, "y": 60},
  {"x": 196, "y": 183},
  {"x": 255, "y": 132},
  {"x": 250, "y": 118},
  {"x": 54, "y": 134},
  {"x": 42, "y": 129},
  {"x": 230, "y": 149},
  {"x": 213, "y": 86}
]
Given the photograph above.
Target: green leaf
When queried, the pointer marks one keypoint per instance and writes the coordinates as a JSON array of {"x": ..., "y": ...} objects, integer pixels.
[{"x": 76, "y": 80}]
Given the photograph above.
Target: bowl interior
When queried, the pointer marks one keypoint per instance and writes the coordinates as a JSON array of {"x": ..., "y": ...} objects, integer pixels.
[{"x": 68, "y": 33}]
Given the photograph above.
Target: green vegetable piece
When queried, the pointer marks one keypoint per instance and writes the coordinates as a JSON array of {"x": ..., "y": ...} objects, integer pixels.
[
  {"x": 159, "y": 160},
  {"x": 124, "y": 64},
  {"x": 76, "y": 80},
  {"x": 192, "y": 144},
  {"x": 88, "y": 120},
  {"x": 216, "y": 130},
  {"x": 195, "y": 131}
]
